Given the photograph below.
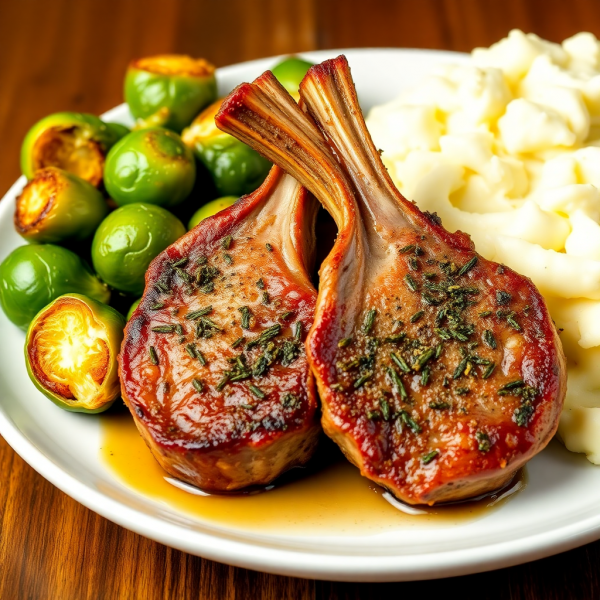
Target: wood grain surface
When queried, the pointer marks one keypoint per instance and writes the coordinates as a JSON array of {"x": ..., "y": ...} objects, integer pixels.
[{"x": 71, "y": 55}]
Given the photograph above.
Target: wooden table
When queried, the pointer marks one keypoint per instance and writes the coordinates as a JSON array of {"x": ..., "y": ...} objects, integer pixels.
[{"x": 71, "y": 55}]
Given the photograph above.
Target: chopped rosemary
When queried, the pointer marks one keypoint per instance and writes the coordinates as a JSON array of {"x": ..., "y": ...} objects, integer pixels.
[
  {"x": 181, "y": 262},
  {"x": 395, "y": 339},
  {"x": 199, "y": 313},
  {"x": 157, "y": 306},
  {"x": 298, "y": 330},
  {"x": 417, "y": 316},
  {"x": 286, "y": 315},
  {"x": 336, "y": 387},
  {"x": 423, "y": 358},
  {"x": 226, "y": 242},
  {"x": 290, "y": 400},
  {"x": 362, "y": 380},
  {"x": 508, "y": 388},
  {"x": 439, "y": 405},
  {"x": 503, "y": 297},
  {"x": 369, "y": 320},
  {"x": 485, "y": 313},
  {"x": 397, "y": 358},
  {"x": 413, "y": 286},
  {"x": 153, "y": 355},
  {"x": 397, "y": 382},
  {"x": 425, "y": 376},
  {"x": 191, "y": 350},
  {"x": 246, "y": 314},
  {"x": 265, "y": 336},
  {"x": 344, "y": 342},
  {"x": 200, "y": 357},
  {"x": 385, "y": 409},
  {"x": 269, "y": 247},
  {"x": 523, "y": 414},
  {"x": 238, "y": 342},
  {"x": 489, "y": 370},
  {"x": 427, "y": 458},
  {"x": 164, "y": 329},
  {"x": 460, "y": 369},
  {"x": 461, "y": 391},
  {"x": 265, "y": 298},
  {"x": 198, "y": 385},
  {"x": 408, "y": 420},
  {"x": 468, "y": 266},
  {"x": 408, "y": 248},
  {"x": 510, "y": 319},
  {"x": 483, "y": 440},
  {"x": 260, "y": 284},
  {"x": 413, "y": 264},
  {"x": 256, "y": 391},
  {"x": 489, "y": 339},
  {"x": 228, "y": 258},
  {"x": 224, "y": 381}
]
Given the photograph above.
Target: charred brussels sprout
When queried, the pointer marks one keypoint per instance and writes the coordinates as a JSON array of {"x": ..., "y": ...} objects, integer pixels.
[
  {"x": 128, "y": 240},
  {"x": 75, "y": 142},
  {"x": 169, "y": 90},
  {"x": 211, "y": 208},
  {"x": 152, "y": 166},
  {"x": 71, "y": 353},
  {"x": 290, "y": 72},
  {"x": 235, "y": 168},
  {"x": 33, "y": 276},
  {"x": 57, "y": 206}
]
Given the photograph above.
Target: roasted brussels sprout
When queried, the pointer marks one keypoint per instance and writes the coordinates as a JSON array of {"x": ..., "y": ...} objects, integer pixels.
[
  {"x": 132, "y": 308},
  {"x": 290, "y": 72},
  {"x": 235, "y": 168},
  {"x": 118, "y": 129},
  {"x": 170, "y": 89},
  {"x": 32, "y": 276},
  {"x": 57, "y": 206},
  {"x": 71, "y": 353},
  {"x": 152, "y": 166},
  {"x": 75, "y": 142},
  {"x": 211, "y": 208},
  {"x": 127, "y": 241}
]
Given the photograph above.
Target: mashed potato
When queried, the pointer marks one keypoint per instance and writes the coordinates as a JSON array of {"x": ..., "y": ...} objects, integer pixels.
[{"x": 507, "y": 149}]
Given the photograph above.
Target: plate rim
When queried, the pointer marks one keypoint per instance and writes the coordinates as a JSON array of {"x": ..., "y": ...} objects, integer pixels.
[{"x": 282, "y": 561}]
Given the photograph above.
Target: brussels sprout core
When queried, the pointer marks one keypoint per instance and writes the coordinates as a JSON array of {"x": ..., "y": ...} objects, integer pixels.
[
  {"x": 71, "y": 355},
  {"x": 70, "y": 149}
]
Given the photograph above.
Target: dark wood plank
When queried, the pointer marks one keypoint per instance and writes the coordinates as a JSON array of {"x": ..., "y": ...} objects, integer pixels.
[{"x": 71, "y": 55}]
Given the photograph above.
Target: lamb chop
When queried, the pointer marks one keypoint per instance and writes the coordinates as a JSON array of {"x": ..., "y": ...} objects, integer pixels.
[
  {"x": 213, "y": 365},
  {"x": 440, "y": 373}
]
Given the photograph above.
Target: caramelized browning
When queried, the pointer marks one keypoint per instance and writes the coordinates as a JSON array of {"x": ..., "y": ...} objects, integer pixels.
[
  {"x": 73, "y": 366},
  {"x": 440, "y": 373},
  {"x": 68, "y": 149},
  {"x": 213, "y": 365},
  {"x": 174, "y": 64},
  {"x": 36, "y": 200}
]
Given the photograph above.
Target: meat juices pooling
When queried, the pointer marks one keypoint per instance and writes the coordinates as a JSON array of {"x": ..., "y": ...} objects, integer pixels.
[
  {"x": 213, "y": 365},
  {"x": 440, "y": 373}
]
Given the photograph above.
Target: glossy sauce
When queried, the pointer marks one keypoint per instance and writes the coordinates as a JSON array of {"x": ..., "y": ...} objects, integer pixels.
[{"x": 332, "y": 498}]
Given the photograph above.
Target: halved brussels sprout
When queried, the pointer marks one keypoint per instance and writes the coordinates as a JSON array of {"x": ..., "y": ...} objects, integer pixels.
[
  {"x": 71, "y": 353},
  {"x": 235, "y": 168},
  {"x": 169, "y": 90},
  {"x": 31, "y": 276},
  {"x": 209, "y": 209},
  {"x": 290, "y": 72},
  {"x": 57, "y": 206},
  {"x": 75, "y": 142}
]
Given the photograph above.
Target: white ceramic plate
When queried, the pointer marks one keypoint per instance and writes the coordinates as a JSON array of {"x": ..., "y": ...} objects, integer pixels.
[{"x": 559, "y": 509}]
